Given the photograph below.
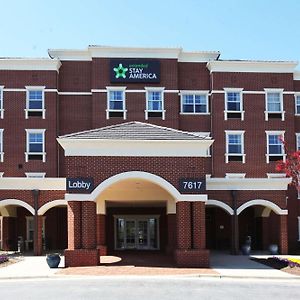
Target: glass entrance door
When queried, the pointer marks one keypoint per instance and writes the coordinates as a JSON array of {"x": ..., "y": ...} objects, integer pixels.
[{"x": 136, "y": 232}]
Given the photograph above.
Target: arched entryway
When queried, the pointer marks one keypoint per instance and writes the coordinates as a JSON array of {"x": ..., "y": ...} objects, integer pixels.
[
  {"x": 218, "y": 225},
  {"x": 16, "y": 224},
  {"x": 55, "y": 233},
  {"x": 264, "y": 222},
  {"x": 136, "y": 211}
]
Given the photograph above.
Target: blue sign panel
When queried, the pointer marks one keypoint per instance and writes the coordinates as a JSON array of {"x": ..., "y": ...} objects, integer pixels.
[
  {"x": 191, "y": 185},
  {"x": 80, "y": 184}
]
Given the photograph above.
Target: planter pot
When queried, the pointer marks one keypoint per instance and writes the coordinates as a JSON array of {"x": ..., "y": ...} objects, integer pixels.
[
  {"x": 246, "y": 249},
  {"x": 53, "y": 260},
  {"x": 273, "y": 249}
]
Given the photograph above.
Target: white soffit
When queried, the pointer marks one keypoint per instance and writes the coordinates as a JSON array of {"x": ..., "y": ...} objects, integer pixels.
[
  {"x": 30, "y": 64},
  {"x": 252, "y": 66},
  {"x": 247, "y": 184},
  {"x": 297, "y": 75},
  {"x": 140, "y": 148}
]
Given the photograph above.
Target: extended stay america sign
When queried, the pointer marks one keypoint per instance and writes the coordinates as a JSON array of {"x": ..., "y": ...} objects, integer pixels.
[{"x": 134, "y": 70}]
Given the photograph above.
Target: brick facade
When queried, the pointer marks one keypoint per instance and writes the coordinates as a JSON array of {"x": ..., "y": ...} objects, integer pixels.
[{"x": 76, "y": 100}]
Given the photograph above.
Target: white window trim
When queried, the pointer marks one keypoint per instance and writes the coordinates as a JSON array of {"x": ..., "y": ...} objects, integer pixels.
[
  {"x": 1, "y": 146},
  {"x": 241, "y": 111},
  {"x": 282, "y": 112},
  {"x": 35, "y": 175},
  {"x": 35, "y": 88},
  {"x": 276, "y": 175},
  {"x": 227, "y": 154},
  {"x": 116, "y": 88},
  {"x": 299, "y": 228},
  {"x": 276, "y": 132},
  {"x": 235, "y": 175},
  {"x": 297, "y": 144},
  {"x": 1, "y": 101},
  {"x": 194, "y": 92},
  {"x": 155, "y": 89},
  {"x": 296, "y": 95},
  {"x": 27, "y": 153}
]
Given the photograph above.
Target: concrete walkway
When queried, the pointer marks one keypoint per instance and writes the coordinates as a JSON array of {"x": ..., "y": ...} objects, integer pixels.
[
  {"x": 241, "y": 266},
  {"x": 29, "y": 267},
  {"x": 222, "y": 265}
]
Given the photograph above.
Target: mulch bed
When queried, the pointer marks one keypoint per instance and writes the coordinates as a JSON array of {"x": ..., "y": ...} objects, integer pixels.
[{"x": 278, "y": 264}]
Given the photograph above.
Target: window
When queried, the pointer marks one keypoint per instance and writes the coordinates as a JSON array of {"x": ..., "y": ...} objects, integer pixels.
[
  {"x": 297, "y": 141},
  {"x": 35, "y": 102},
  {"x": 194, "y": 102},
  {"x": 274, "y": 104},
  {"x": 275, "y": 148},
  {"x": 154, "y": 103},
  {"x": 235, "y": 146},
  {"x": 1, "y": 102},
  {"x": 35, "y": 175},
  {"x": 1, "y": 146},
  {"x": 297, "y": 104},
  {"x": 30, "y": 233},
  {"x": 35, "y": 145},
  {"x": 233, "y": 104},
  {"x": 116, "y": 103}
]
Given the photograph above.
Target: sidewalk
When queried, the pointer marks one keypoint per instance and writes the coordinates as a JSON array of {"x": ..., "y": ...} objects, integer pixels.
[
  {"x": 240, "y": 266},
  {"x": 222, "y": 266}
]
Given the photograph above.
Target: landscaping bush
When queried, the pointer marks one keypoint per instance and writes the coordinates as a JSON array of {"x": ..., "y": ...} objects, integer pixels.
[{"x": 3, "y": 258}]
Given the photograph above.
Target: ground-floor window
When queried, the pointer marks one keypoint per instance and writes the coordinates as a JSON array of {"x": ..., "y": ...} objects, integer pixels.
[
  {"x": 30, "y": 233},
  {"x": 136, "y": 232},
  {"x": 1, "y": 242}
]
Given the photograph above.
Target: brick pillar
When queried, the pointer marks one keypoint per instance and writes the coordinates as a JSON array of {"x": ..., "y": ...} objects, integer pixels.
[
  {"x": 283, "y": 234},
  {"x": 183, "y": 225},
  {"x": 74, "y": 225},
  {"x": 101, "y": 234},
  {"x": 88, "y": 219},
  {"x": 171, "y": 226},
  {"x": 199, "y": 236},
  {"x": 190, "y": 225},
  {"x": 38, "y": 246}
]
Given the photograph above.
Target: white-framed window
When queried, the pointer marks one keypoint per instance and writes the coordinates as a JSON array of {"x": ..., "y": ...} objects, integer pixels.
[
  {"x": 1, "y": 145},
  {"x": 275, "y": 147},
  {"x": 35, "y": 145},
  {"x": 194, "y": 102},
  {"x": 297, "y": 104},
  {"x": 234, "y": 104},
  {"x": 116, "y": 104},
  {"x": 35, "y": 101},
  {"x": 30, "y": 233},
  {"x": 35, "y": 175},
  {"x": 235, "y": 146},
  {"x": 155, "y": 103},
  {"x": 274, "y": 104},
  {"x": 1, "y": 102},
  {"x": 297, "y": 141}
]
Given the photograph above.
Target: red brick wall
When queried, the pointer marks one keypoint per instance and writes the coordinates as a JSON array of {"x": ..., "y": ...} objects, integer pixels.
[
  {"x": 74, "y": 225},
  {"x": 169, "y": 168},
  {"x": 88, "y": 223}
]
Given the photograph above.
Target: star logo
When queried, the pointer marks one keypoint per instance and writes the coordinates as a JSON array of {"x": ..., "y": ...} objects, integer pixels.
[{"x": 120, "y": 71}]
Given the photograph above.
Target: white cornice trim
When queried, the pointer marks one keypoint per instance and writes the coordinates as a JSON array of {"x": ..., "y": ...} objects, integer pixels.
[
  {"x": 140, "y": 148},
  {"x": 30, "y": 64},
  {"x": 23, "y": 183},
  {"x": 133, "y": 52},
  {"x": 75, "y": 93},
  {"x": 252, "y": 66},
  {"x": 247, "y": 184}
]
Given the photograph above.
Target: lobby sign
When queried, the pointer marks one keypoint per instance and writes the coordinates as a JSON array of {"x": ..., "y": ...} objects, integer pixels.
[
  {"x": 80, "y": 184},
  {"x": 134, "y": 70},
  {"x": 188, "y": 185}
]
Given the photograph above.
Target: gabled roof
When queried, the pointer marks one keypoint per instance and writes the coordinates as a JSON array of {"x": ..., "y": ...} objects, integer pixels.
[{"x": 135, "y": 131}]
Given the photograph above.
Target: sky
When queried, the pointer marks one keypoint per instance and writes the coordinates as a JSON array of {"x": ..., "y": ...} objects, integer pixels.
[{"x": 256, "y": 29}]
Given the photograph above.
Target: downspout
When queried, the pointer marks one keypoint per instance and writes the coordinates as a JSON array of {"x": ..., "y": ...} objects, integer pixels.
[
  {"x": 35, "y": 194},
  {"x": 235, "y": 225}
]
